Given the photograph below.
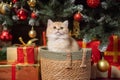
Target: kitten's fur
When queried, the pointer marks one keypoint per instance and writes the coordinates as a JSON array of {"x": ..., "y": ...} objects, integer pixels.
[{"x": 58, "y": 37}]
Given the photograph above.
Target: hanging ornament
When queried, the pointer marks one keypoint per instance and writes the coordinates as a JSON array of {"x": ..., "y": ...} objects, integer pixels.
[
  {"x": 32, "y": 33},
  {"x": 34, "y": 15},
  {"x": 93, "y": 3},
  {"x": 22, "y": 14},
  {"x": 14, "y": 1},
  {"x": 5, "y": 35},
  {"x": 103, "y": 65},
  {"x": 76, "y": 29},
  {"x": 31, "y": 3},
  {"x": 78, "y": 16},
  {"x": 4, "y": 8}
]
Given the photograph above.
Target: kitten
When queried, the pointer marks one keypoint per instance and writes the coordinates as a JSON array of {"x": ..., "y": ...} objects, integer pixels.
[{"x": 58, "y": 37}]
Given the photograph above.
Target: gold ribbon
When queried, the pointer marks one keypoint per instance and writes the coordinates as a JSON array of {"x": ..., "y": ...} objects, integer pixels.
[
  {"x": 84, "y": 44},
  {"x": 115, "y": 53},
  {"x": 29, "y": 43},
  {"x": 25, "y": 55}
]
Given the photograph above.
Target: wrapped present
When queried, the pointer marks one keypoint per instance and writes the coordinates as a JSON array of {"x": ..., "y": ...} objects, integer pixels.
[
  {"x": 94, "y": 44},
  {"x": 25, "y": 55},
  {"x": 112, "y": 53},
  {"x": 22, "y": 54},
  {"x": 112, "y": 72},
  {"x": 19, "y": 72}
]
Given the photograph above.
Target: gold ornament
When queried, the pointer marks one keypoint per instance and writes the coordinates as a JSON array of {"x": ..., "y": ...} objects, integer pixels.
[
  {"x": 32, "y": 33},
  {"x": 76, "y": 29},
  {"x": 103, "y": 65},
  {"x": 4, "y": 7},
  {"x": 31, "y": 3}
]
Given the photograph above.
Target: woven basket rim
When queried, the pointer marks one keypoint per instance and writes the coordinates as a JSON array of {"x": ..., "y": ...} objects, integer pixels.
[{"x": 44, "y": 53}]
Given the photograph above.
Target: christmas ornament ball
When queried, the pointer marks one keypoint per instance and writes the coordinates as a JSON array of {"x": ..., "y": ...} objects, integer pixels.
[
  {"x": 5, "y": 36},
  {"x": 14, "y": 1},
  {"x": 31, "y": 3},
  {"x": 32, "y": 33},
  {"x": 22, "y": 14},
  {"x": 103, "y": 65},
  {"x": 78, "y": 16},
  {"x": 33, "y": 15},
  {"x": 93, "y": 3},
  {"x": 4, "y": 8}
]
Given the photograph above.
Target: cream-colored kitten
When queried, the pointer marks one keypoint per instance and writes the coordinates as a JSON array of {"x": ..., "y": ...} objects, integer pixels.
[{"x": 58, "y": 37}]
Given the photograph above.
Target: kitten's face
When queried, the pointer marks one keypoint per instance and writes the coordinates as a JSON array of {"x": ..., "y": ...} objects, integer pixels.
[{"x": 57, "y": 28}]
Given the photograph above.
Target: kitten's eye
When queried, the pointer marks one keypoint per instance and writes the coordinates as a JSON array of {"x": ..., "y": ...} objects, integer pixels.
[
  {"x": 54, "y": 27},
  {"x": 61, "y": 27}
]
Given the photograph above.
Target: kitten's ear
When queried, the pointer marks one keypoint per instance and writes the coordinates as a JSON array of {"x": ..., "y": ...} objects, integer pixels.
[
  {"x": 49, "y": 22},
  {"x": 66, "y": 23}
]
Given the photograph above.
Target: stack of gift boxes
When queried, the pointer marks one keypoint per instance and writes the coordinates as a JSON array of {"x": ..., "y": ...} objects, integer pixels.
[
  {"x": 22, "y": 64},
  {"x": 111, "y": 55}
]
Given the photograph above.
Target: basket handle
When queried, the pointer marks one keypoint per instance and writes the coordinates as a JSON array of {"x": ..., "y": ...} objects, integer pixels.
[
  {"x": 69, "y": 60},
  {"x": 83, "y": 57}
]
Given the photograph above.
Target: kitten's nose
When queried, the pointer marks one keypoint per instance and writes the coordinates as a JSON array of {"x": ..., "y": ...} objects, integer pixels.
[{"x": 58, "y": 29}]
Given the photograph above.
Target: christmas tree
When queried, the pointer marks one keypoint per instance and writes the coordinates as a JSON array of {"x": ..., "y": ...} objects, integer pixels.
[
  {"x": 96, "y": 18},
  {"x": 101, "y": 19}
]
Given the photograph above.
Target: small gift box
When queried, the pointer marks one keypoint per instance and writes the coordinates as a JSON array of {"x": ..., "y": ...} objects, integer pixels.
[
  {"x": 22, "y": 54},
  {"x": 25, "y": 55}
]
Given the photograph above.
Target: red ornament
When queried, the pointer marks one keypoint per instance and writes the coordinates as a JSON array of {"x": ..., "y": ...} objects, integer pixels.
[
  {"x": 14, "y": 1},
  {"x": 22, "y": 14},
  {"x": 5, "y": 36},
  {"x": 93, "y": 3},
  {"x": 33, "y": 15},
  {"x": 78, "y": 16}
]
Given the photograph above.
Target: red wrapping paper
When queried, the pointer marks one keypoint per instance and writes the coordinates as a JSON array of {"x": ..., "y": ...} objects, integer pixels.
[
  {"x": 25, "y": 55},
  {"x": 112, "y": 53},
  {"x": 94, "y": 46},
  {"x": 95, "y": 51}
]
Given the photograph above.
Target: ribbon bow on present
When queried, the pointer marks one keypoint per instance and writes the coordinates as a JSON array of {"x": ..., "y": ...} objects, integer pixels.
[{"x": 29, "y": 43}]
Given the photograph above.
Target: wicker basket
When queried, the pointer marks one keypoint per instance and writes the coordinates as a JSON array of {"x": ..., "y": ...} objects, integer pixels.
[{"x": 65, "y": 66}]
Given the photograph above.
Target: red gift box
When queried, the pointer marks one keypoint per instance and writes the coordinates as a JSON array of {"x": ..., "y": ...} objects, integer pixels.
[
  {"x": 25, "y": 55},
  {"x": 94, "y": 44},
  {"x": 19, "y": 72},
  {"x": 112, "y": 53}
]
